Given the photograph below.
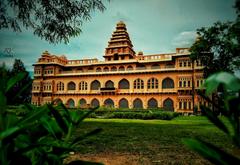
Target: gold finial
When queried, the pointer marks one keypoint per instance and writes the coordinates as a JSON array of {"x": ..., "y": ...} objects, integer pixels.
[
  {"x": 121, "y": 24},
  {"x": 140, "y": 53},
  {"x": 46, "y": 53}
]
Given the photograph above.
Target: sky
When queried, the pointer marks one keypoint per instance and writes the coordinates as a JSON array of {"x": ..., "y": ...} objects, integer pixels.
[{"x": 154, "y": 26}]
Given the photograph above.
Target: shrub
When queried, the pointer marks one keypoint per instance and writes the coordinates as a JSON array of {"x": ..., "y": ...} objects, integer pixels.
[
  {"x": 162, "y": 115},
  {"x": 229, "y": 105},
  {"x": 41, "y": 136}
]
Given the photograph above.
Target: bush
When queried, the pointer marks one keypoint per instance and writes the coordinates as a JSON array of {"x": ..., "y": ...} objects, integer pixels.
[
  {"x": 37, "y": 135},
  {"x": 162, "y": 115},
  {"x": 120, "y": 113}
]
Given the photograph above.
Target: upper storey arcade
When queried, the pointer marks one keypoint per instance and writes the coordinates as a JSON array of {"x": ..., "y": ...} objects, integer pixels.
[{"x": 118, "y": 53}]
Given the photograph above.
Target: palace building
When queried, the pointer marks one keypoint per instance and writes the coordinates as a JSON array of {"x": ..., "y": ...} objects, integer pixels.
[{"x": 125, "y": 79}]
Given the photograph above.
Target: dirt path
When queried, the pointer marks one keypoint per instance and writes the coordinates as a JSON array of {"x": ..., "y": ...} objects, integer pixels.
[{"x": 136, "y": 159}]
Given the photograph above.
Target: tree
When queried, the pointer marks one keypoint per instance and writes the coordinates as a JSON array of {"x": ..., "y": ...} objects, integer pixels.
[
  {"x": 55, "y": 21},
  {"x": 4, "y": 75},
  {"x": 22, "y": 89},
  {"x": 218, "y": 46}
]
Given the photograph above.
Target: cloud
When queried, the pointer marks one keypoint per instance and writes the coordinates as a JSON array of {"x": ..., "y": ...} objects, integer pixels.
[{"x": 184, "y": 39}]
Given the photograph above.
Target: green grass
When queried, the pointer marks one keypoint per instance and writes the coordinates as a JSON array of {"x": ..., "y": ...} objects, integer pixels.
[{"x": 155, "y": 140}]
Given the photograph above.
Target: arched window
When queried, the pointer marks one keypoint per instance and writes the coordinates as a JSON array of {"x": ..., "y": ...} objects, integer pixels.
[
  {"x": 70, "y": 103},
  {"x": 152, "y": 83},
  {"x": 121, "y": 68},
  {"x": 83, "y": 85},
  {"x": 109, "y": 103},
  {"x": 155, "y": 66},
  {"x": 98, "y": 69},
  {"x": 60, "y": 86},
  {"x": 95, "y": 85},
  {"x": 129, "y": 67},
  {"x": 71, "y": 86},
  {"x": 106, "y": 69},
  {"x": 141, "y": 67},
  {"x": 123, "y": 103},
  {"x": 79, "y": 70},
  {"x": 170, "y": 65},
  {"x": 82, "y": 103},
  {"x": 123, "y": 84},
  {"x": 180, "y": 83},
  {"x": 113, "y": 68},
  {"x": 168, "y": 104},
  {"x": 90, "y": 69},
  {"x": 138, "y": 84},
  {"x": 115, "y": 56},
  {"x": 109, "y": 84},
  {"x": 95, "y": 103},
  {"x": 167, "y": 83},
  {"x": 152, "y": 103},
  {"x": 137, "y": 103}
]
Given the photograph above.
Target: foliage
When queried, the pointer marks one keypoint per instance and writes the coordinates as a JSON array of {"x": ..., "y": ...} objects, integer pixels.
[
  {"x": 109, "y": 113},
  {"x": 42, "y": 136},
  {"x": 23, "y": 86},
  {"x": 218, "y": 46},
  {"x": 229, "y": 107},
  {"x": 55, "y": 20},
  {"x": 145, "y": 116}
]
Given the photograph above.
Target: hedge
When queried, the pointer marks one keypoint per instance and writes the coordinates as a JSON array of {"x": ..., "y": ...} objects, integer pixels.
[{"x": 145, "y": 115}]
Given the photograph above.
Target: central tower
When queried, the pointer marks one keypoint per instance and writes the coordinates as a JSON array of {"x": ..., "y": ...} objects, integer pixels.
[{"x": 120, "y": 46}]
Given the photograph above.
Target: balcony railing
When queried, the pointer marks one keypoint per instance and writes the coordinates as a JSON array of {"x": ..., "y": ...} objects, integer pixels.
[
  {"x": 67, "y": 73},
  {"x": 114, "y": 90},
  {"x": 107, "y": 90},
  {"x": 184, "y": 88}
]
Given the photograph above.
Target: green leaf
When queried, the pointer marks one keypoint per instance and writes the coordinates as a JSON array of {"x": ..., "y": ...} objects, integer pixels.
[
  {"x": 81, "y": 162},
  {"x": 76, "y": 120},
  {"x": 22, "y": 140},
  {"x": 94, "y": 132},
  {"x": 22, "y": 90},
  {"x": 66, "y": 112},
  {"x": 52, "y": 127},
  {"x": 75, "y": 116},
  {"x": 26, "y": 149},
  {"x": 211, "y": 152},
  {"x": 10, "y": 119},
  {"x": 12, "y": 81},
  {"x": 34, "y": 115},
  {"x": 61, "y": 122},
  {"x": 228, "y": 80},
  {"x": 3, "y": 100},
  {"x": 214, "y": 119},
  {"x": 30, "y": 107},
  {"x": 8, "y": 132},
  {"x": 58, "y": 146}
]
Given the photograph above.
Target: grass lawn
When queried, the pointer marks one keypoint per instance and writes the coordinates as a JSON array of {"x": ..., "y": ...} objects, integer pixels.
[{"x": 124, "y": 141}]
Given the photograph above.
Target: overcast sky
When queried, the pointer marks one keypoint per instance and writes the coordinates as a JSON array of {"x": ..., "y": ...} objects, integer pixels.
[{"x": 154, "y": 26}]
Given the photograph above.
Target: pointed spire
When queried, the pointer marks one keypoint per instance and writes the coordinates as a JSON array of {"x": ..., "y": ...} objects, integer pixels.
[{"x": 120, "y": 46}]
